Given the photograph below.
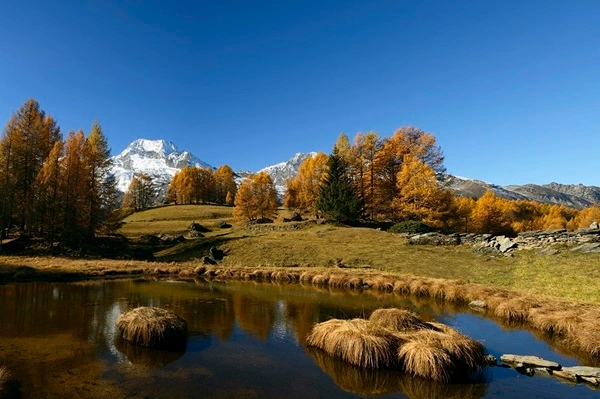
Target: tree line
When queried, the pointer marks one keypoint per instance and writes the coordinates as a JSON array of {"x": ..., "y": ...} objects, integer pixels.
[
  {"x": 399, "y": 178},
  {"x": 53, "y": 188}
]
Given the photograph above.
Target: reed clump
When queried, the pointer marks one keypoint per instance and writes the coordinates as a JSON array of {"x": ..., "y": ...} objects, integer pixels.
[
  {"x": 398, "y": 338},
  {"x": 153, "y": 327},
  {"x": 355, "y": 341},
  {"x": 396, "y": 319}
]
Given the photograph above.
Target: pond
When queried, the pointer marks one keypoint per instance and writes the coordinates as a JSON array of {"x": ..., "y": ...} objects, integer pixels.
[{"x": 245, "y": 340}]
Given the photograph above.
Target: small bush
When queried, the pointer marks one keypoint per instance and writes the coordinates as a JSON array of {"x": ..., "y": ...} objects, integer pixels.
[{"x": 411, "y": 226}]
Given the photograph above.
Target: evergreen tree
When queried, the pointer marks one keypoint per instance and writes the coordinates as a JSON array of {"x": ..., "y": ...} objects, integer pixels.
[{"x": 337, "y": 200}]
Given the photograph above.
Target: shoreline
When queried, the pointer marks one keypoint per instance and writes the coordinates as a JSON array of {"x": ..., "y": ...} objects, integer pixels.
[{"x": 574, "y": 325}]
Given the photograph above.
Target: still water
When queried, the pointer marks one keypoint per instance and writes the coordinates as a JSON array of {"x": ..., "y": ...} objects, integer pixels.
[{"x": 246, "y": 340}]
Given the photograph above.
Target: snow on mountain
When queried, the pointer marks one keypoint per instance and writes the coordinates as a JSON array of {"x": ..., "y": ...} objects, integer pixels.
[
  {"x": 284, "y": 170},
  {"x": 159, "y": 159}
]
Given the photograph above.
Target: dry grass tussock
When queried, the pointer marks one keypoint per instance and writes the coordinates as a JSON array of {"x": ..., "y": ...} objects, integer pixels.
[
  {"x": 152, "y": 327},
  {"x": 355, "y": 341},
  {"x": 397, "y": 337},
  {"x": 396, "y": 319},
  {"x": 577, "y": 324}
]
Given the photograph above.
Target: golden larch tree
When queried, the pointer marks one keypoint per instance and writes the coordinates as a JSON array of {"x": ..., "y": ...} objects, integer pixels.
[
  {"x": 419, "y": 195},
  {"x": 256, "y": 199}
]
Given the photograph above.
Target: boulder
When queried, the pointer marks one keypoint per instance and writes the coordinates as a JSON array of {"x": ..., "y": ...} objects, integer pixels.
[
  {"x": 505, "y": 244},
  {"x": 224, "y": 225},
  {"x": 216, "y": 253},
  {"x": 594, "y": 226},
  {"x": 529, "y": 362},
  {"x": 434, "y": 239},
  {"x": 209, "y": 261},
  {"x": 588, "y": 248},
  {"x": 478, "y": 304}
]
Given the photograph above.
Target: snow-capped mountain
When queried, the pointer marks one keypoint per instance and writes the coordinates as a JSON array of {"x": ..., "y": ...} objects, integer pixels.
[
  {"x": 161, "y": 159},
  {"x": 284, "y": 170},
  {"x": 158, "y": 158}
]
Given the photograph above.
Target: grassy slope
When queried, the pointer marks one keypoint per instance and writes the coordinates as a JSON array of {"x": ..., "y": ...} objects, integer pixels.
[{"x": 568, "y": 275}]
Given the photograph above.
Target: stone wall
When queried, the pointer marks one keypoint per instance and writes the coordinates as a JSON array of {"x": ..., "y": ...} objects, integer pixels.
[{"x": 546, "y": 242}]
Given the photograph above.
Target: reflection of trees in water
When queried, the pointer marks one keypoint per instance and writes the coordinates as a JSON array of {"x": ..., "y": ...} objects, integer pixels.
[
  {"x": 368, "y": 382},
  {"x": 207, "y": 316},
  {"x": 255, "y": 316}
]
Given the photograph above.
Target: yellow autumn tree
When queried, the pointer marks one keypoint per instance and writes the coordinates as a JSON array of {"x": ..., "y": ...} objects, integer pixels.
[
  {"x": 303, "y": 190},
  {"x": 459, "y": 219},
  {"x": 489, "y": 215},
  {"x": 224, "y": 185},
  {"x": 526, "y": 216},
  {"x": 586, "y": 217},
  {"x": 419, "y": 195},
  {"x": 256, "y": 199},
  {"x": 405, "y": 141},
  {"x": 556, "y": 216}
]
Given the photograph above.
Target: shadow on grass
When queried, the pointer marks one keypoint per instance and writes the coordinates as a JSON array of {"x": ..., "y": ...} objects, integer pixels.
[{"x": 193, "y": 249}]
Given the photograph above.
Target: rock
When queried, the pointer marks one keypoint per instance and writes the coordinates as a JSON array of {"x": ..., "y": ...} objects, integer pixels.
[
  {"x": 490, "y": 360},
  {"x": 195, "y": 234},
  {"x": 564, "y": 374},
  {"x": 592, "y": 247},
  {"x": 198, "y": 228},
  {"x": 209, "y": 261},
  {"x": 506, "y": 244},
  {"x": 581, "y": 372},
  {"x": 530, "y": 361},
  {"x": 594, "y": 226},
  {"x": 224, "y": 225},
  {"x": 478, "y": 304},
  {"x": 434, "y": 239},
  {"x": 216, "y": 253}
]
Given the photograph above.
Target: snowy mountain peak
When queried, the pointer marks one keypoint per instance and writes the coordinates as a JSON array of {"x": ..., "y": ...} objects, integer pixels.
[
  {"x": 160, "y": 159},
  {"x": 144, "y": 146},
  {"x": 284, "y": 170}
]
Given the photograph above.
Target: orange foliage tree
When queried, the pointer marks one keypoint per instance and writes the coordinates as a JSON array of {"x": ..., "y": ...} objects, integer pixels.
[
  {"x": 303, "y": 190},
  {"x": 490, "y": 215},
  {"x": 256, "y": 199},
  {"x": 419, "y": 195}
]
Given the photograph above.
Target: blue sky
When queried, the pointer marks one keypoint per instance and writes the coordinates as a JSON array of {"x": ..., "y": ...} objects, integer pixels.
[{"x": 511, "y": 89}]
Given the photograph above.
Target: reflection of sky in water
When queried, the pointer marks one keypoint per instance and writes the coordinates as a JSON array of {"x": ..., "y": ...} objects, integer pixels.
[{"x": 228, "y": 353}]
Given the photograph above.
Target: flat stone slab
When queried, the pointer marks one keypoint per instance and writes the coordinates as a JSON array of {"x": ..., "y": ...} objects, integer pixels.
[
  {"x": 530, "y": 361},
  {"x": 582, "y": 371}
]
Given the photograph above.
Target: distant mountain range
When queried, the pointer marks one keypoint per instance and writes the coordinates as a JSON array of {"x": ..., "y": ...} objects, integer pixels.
[{"x": 161, "y": 159}]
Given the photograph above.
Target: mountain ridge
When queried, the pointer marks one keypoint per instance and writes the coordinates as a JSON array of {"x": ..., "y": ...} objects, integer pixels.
[{"x": 161, "y": 159}]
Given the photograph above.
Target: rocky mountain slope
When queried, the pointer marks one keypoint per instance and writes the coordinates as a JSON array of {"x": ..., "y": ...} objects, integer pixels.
[
  {"x": 161, "y": 159},
  {"x": 158, "y": 158}
]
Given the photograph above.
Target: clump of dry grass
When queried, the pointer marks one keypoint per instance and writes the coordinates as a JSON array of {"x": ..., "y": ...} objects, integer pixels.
[
  {"x": 516, "y": 310},
  {"x": 444, "y": 355},
  {"x": 396, "y": 319},
  {"x": 397, "y": 337},
  {"x": 153, "y": 327},
  {"x": 355, "y": 341}
]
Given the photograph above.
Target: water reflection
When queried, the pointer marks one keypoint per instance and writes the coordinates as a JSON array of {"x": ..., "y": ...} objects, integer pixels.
[
  {"x": 366, "y": 382},
  {"x": 59, "y": 340}
]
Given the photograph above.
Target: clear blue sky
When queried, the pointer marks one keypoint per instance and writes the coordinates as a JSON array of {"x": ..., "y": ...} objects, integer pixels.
[{"x": 511, "y": 89}]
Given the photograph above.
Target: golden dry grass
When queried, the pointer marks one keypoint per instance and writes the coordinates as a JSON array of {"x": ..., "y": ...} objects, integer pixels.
[
  {"x": 396, "y": 319},
  {"x": 355, "y": 341},
  {"x": 152, "y": 327},
  {"x": 397, "y": 337},
  {"x": 442, "y": 355}
]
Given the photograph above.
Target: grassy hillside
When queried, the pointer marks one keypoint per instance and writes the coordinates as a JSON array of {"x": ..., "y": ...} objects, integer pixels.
[{"x": 568, "y": 275}]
